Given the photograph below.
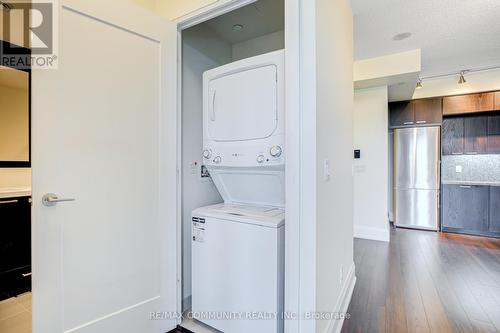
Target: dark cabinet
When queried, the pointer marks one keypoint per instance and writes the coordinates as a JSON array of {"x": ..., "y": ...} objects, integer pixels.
[
  {"x": 465, "y": 208},
  {"x": 15, "y": 246},
  {"x": 453, "y": 105},
  {"x": 401, "y": 114},
  {"x": 416, "y": 112},
  {"x": 452, "y": 136},
  {"x": 428, "y": 111},
  {"x": 494, "y": 222},
  {"x": 493, "y": 141},
  {"x": 475, "y": 135}
]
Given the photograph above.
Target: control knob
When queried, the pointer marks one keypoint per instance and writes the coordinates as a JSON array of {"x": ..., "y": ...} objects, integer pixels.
[
  {"x": 217, "y": 159},
  {"x": 207, "y": 153},
  {"x": 260, "y": 158},
  {"x": 276, "y": 151}
]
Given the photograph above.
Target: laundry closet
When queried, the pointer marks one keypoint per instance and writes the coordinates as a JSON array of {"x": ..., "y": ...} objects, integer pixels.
[{"x": 233, "y": 170}]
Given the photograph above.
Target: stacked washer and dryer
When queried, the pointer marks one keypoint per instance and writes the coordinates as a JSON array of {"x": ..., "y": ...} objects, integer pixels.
[{"x": 238, "y": 246}]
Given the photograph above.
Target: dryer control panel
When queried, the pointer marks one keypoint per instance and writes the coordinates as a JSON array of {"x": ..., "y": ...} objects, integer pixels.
[{"x": 231, "y": 156}]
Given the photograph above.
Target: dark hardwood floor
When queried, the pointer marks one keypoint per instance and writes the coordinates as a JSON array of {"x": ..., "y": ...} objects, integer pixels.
[{"x": 426, "y": 282}]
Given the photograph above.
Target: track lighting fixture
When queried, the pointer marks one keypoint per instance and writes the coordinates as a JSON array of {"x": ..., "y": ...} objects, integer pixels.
[
  {"x": 462, "y": 78},
  {"x": 419, "y": 84}
]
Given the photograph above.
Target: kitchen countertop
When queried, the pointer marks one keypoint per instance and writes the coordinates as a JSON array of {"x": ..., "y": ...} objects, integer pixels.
[
  {"x": 465, "y": 182},
  {"x": 15, "y": 192}
]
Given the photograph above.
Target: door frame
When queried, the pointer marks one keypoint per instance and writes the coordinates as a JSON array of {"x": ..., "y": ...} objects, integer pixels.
[{"x": 292, "y": 142}]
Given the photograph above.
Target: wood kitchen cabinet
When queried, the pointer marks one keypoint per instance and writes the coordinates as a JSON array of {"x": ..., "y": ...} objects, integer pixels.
[
  {"x": 475, "y": 135},
  {"x": 416, "y": 112},
  {"x": 497, "y": 101},
  {"x": 494, "y": 222},
  {"x": 493, "y": 141},
  {"x": 452, "y": 136},
  {"x": 465, "y": 208},
  {"x": 468, "y": 103},
  {"x": 15, "y": 246},
  {"x": 428, "y": 111}
]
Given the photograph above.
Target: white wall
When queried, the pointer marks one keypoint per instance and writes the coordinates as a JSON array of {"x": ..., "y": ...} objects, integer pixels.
[
  {"x": 259, "y": 45},
  {"x": 371, "y": 170},
  {"x": 196, "y": 192},
  {"x": 327, "y": 266},
  {"x": 476, "y": 82}
]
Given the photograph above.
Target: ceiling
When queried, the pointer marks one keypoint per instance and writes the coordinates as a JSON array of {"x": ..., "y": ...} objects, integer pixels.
[
  {"x": 454, "y": 35},
  {"x": 258, "y": 19}
]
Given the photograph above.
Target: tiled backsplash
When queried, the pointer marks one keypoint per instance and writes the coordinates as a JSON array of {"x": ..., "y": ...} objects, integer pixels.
[{"x": 475, "y": 168}]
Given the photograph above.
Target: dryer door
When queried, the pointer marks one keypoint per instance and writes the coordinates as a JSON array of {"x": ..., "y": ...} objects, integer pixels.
[{"x": 243, "y": 105}]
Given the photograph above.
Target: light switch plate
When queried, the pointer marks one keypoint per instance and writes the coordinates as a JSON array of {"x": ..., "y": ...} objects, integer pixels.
[{"x": 326, "y": 170}]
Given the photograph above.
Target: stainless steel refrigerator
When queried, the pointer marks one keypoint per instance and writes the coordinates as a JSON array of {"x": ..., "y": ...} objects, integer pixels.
[{"x": 417, "y": 177}]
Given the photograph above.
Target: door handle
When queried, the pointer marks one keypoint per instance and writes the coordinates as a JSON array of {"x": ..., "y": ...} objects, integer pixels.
[
  {"x": 465, "y": 186},
  {"x": 50, "y": 199},
  {"x": 212, "y": 113},
  {"x": 8, "y": 202},
  {"x": 421, "y": 121},
  {"x": 27, "y": 274},
  {"x": 408, "y": 123}
]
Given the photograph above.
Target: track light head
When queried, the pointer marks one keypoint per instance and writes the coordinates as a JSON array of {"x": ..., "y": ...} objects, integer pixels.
[
  {"x": 462, "y": 79},
  {"x": 419, "y": 84}
]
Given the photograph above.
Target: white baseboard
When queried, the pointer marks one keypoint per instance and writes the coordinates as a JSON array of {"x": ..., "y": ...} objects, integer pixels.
[
  {"x": 377, "y": 234},
  {"x": 335, "y": 325}
]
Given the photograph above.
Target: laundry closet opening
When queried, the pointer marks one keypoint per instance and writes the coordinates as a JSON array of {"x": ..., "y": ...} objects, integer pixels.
[{"x": 233, "y": 170}]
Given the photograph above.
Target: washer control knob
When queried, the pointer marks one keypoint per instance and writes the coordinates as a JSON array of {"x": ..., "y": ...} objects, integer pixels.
[
  {"x": 276, "y": 151},
  {"x": 217, "y": 159},
  {"x": 261, "y": 158},
  {"x": 207, "y": 153}
]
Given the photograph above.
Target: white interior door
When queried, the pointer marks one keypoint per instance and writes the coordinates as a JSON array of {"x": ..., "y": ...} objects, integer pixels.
[{"x": 103, "y": 124}]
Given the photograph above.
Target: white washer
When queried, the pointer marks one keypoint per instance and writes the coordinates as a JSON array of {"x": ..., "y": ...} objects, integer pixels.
[
  {"x": 237, "y": 267},
  {"x": 244, "y": 129}
]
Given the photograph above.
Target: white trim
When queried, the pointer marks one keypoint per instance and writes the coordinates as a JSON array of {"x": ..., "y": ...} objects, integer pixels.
[
  {"x": 293, "y": 140},
  {"x": 377, "y": 234},
  {"x": 208, "y": 12},
  {"x": 292, "y": 167},
  {"x": 308, "y": 164},
  {"x": 92, "y": 322},
  {"x": 335, "y": 325}
]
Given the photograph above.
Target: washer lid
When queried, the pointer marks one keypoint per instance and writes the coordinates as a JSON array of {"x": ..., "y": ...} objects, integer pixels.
[
  {"x": 243, "y": 105},
  {"x": 250, "y": 186},
  {"x": 258, "y": 215}
]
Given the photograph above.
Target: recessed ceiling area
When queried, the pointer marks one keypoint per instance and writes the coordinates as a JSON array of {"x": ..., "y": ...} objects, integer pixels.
[
  {"x": 453, "y": 35},
  {"x": 257, "y": 19}
]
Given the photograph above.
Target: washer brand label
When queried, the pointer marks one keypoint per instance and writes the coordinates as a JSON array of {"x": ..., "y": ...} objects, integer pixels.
[{"x": 198, "y": 229}]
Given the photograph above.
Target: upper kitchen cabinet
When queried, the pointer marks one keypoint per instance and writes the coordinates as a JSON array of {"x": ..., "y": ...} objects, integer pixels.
[
  {"x": 452, "y": 136},
  {"x": 416, "y": 112},
  {"x": 497, "y": 101},
  {"x": 468, "y": 103},
  {"x": 475, "y": 135},
  {"x": 401, "y": 114},
  {"x": 493, "y": 144},
  {"x": 428, "y": 111}
]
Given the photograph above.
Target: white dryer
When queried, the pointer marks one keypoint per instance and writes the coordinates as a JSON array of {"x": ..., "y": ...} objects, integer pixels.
[
  {"x": 244, "y": 129},
  {"x": 237, "y": 268}
]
